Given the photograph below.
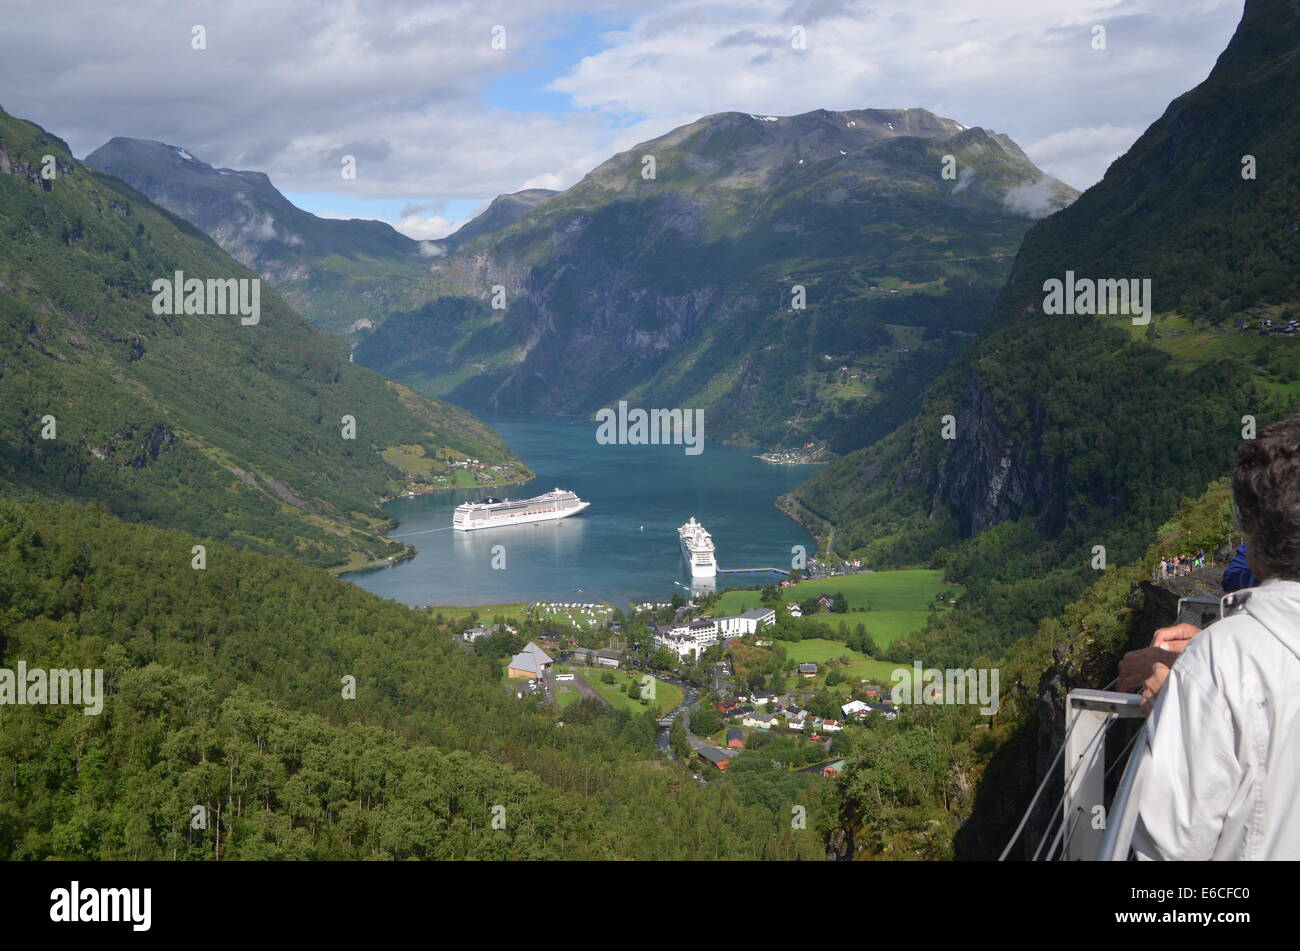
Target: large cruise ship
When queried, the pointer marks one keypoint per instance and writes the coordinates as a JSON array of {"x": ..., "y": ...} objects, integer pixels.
[
  {"x": 558, "y": 503},
  {"x": 697, "y": 548}
]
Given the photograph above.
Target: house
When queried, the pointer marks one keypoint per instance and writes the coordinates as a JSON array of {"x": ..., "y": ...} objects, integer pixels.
[
  {"x": 763, "y": 721},
  {"x": 883, "y": 708},
  {"x": 747, "y": 622},
  {"x": 714, "y": 757},
  {"x": 831, "y": 726},
  {"x": 833, "y": 769},
  {"x": 794, "y": 721},
  {"x": 855, "y": 708},
  {"x": 609, "y": 658},
  {"x": 761, "y": 698},
  {"x": 825, "y": 601},
  {"x": 741, "y": 711},
  {"x": 808, "y": 669},
  {"x": 531, "y": 662},
  {"x": 735, "y": 738},
  {"x": 794, "y": 609},
  {"x": 477, "y": 633}
]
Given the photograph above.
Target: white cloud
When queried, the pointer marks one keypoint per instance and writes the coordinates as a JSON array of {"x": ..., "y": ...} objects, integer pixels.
[
  {"x": 1033, "y": 199},
  {"x": 402, "y": 84},
  {"x": 421, "y": 227},
  {"x": 1082, "y": 154}
]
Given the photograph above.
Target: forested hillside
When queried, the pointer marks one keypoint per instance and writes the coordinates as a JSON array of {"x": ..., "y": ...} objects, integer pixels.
[
  {"x": 226, "y": 690},
  {"x": 229, "y": 430},
  {"x": 1077, "y": 432}
]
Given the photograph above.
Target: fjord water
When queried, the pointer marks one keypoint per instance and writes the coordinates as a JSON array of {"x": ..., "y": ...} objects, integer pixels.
[{"x": 622, "y": 549}]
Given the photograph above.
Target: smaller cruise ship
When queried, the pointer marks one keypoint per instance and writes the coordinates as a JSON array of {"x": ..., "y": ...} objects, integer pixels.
[
  {"x": 697, "y": 549},
  {"x": 558, "y": 503}
]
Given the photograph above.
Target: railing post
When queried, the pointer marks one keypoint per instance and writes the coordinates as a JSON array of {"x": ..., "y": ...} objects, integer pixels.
[{"x": 1088, "y": 714}]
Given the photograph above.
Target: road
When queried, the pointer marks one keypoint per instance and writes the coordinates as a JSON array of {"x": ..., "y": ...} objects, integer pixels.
[{"x": 691, "y": 696}]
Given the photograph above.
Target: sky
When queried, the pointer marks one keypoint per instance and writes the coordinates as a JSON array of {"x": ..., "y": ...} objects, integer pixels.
[{"x": 443, "y": 105}]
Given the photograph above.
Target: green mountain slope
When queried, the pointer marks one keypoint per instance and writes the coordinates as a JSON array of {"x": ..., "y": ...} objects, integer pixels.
[
  {"x": 230, "y": 431},
  {"x": 1078, "y": 431},
  {"x": 503, "y": 211},
  {"x": 342, "y": 275},
  {"x": 677, "y": 289}
]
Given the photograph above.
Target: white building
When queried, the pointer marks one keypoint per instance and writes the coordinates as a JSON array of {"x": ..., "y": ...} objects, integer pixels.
[
  {"x": 682, "y": 637},
  {"x": 746, "y": 623},
  {"x": 685, "y": 636},
  {"x": 854, "y": 708}
]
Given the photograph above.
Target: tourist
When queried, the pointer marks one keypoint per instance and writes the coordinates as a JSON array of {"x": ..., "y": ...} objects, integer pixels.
[
  {"x": 1237, "y": 575},
  {"x": 1220, "y": 770}
]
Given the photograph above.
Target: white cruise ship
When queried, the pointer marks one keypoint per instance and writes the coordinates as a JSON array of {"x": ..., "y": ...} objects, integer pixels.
[
  {"x": 558, "y": 503},
  {"x": 697, "y": 548}
]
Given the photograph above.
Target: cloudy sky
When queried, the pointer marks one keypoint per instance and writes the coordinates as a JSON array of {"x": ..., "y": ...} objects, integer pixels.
[{"x": 440, "y": 120}]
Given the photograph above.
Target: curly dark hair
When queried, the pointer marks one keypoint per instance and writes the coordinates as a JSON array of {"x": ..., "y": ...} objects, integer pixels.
[{"x": 1266, "y": 488}]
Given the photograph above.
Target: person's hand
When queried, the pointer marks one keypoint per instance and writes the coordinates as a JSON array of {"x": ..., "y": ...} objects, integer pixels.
[
  {"x": 1175, "y": 637},
  {"x": 1151, "y": 686},
  {"x": 1136, "y": 668}
]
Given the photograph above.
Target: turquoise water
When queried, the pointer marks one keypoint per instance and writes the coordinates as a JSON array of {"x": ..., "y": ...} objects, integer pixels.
[{"x": 622, "y": 549}]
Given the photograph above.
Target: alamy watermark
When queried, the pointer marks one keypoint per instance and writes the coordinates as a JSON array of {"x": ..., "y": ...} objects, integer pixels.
[
  {"x": 39, "y": 686},
  {"x": 76, "y": 903},
  {"x": 920, "y": 685},
  {"x": 655, "y": 427},
  {"x": 229, "y": 295},
  {"x": 1087, "y": 296}
]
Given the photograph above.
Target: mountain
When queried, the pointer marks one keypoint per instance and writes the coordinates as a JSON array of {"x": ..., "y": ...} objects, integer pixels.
[
  {"x": 227, "y": 428},
  {"x": 1074, "y": 431},
  {"x": 1082, "y": 436},
  {"x": 504, "y": 211},
  {"x": 673, "y": 285},
  {"x": 338, "y": 273}
]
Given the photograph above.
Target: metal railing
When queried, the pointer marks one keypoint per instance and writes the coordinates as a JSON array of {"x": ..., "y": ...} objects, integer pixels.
[
  {"x": 1089, "y": 716},
  {"x": 1084, "y": 826}
]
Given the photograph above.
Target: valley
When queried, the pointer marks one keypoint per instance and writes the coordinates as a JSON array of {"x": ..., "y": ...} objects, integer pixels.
[{"x": 931, "y": 408}]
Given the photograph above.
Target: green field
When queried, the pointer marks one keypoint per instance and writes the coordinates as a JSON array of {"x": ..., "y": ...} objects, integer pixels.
[
  {"x": 486, "y": 612},
  {"x": 565, "y": 694},
  {"x": 899, "y": 600},
  {"x": 667, "y": 696},
  {"x": 820, "y": 650},
  {"x": 519, "y": 611}
]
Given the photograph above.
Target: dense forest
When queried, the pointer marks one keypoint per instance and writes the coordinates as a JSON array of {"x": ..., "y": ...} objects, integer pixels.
[{"x": 225, "y": 690}]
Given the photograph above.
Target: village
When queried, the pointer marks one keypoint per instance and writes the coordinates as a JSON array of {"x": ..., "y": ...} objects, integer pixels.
[{"x": 716, "y": 684}]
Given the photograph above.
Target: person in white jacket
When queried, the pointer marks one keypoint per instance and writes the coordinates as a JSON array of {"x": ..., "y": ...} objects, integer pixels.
[{"x": 1220, "y": 774}]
